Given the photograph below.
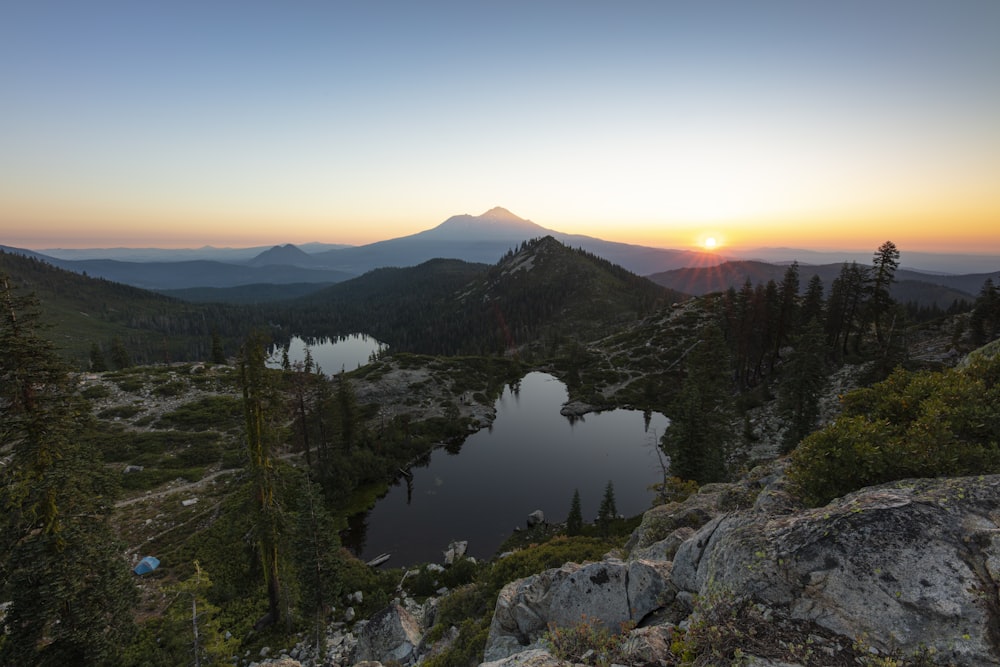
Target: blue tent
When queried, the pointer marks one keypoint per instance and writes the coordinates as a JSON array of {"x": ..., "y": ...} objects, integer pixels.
[{"x": 147, "y": 565}]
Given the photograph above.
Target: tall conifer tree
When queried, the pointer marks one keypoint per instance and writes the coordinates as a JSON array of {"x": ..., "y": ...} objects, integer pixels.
[
  {"x": 70, "y": 592},
  {"x": 268, "y": 519},
  {"x": 701, "y": 429}
]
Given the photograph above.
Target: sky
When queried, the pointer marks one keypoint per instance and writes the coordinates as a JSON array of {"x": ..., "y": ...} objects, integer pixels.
[{"x": 822, "y": 125}]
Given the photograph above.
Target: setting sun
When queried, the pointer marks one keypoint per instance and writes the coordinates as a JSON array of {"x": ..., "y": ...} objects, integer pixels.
[{"x": 710, "y": 243}]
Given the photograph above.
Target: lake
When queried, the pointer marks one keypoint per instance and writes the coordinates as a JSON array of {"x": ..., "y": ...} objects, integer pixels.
[
  {"x": 332, "y": 355},
  {"x": 532, "y": 458}
]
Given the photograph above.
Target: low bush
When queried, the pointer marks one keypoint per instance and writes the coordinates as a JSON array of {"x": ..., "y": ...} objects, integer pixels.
[
  {"x": 208, "y": 413},
  {"x": 552, "y": 554},
  {"x": 913, "y": 424},
  {"x": 95, "y": 392},
  {"x": 120, "y": 412},
  {"x": 175, "y": 388},
  {"x": 589, "y": 642}
]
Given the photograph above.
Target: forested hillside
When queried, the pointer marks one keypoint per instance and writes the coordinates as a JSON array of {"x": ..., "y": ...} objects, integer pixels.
[
  {"x": 85, "y": 312},
  {"x": 544, "y": 291}
]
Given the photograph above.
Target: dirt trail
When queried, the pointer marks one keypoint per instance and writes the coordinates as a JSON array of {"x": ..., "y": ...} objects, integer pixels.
[{"x": 187, "y": 486}]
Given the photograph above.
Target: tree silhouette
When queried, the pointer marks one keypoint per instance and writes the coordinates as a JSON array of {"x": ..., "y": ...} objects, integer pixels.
[{"x": 574, "y": 522}]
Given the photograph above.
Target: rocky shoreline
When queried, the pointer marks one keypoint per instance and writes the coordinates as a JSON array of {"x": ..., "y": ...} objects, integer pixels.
[{"x": 910, "y": 568}]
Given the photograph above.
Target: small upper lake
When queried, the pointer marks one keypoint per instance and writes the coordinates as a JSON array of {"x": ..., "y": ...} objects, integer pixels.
[
  {"x": 532, "y": 458},
  {"x": 332, "y": 355}
]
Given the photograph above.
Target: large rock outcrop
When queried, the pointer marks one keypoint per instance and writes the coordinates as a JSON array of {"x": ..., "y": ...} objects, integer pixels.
[
  {"x": 610, "y": 592},
  {"x": 910, "y": 566}
]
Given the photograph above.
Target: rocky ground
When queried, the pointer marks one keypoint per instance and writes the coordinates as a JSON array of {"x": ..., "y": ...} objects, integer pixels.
[
  {"x": 671, "y": 561},
  {"x": 904, "y": 573}
]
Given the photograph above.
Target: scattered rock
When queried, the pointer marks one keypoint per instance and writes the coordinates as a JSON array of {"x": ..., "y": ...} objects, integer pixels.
[
  {"x": 455, "y": 552},
  {"x": 531, "y": 658},
  {"x": 536, "y": 518},
  {"x": 393, "y": 634}
]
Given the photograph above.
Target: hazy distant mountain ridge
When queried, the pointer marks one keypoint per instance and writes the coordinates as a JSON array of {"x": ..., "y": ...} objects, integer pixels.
[
  {"x": 482, "y": 239},
  {"x": 486, "y": 238},
  {"x": 285, "y": 255},
  {"x": 924, "y": 262},
  {"x": 924, "y": 288}
]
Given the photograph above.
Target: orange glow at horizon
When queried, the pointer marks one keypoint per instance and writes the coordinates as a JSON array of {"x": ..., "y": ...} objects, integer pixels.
[{"x": 28, "y": 226}]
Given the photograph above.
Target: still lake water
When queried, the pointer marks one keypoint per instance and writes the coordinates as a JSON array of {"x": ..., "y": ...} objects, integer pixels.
[
  {"x": 532, "y": 458},
  {"x": 332, "y": 355}
]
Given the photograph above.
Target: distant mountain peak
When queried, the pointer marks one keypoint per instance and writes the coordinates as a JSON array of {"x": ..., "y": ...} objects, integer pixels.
[
  {"x": 495, "y": 224},
  {"x": 288, "y": 254},
  {"x": 500, "y": 213}
]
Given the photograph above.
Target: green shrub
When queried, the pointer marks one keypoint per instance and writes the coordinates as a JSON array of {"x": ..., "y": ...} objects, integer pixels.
[
  {"x": 462, "y": 603},
  {"x": 199, "y": 453},
  {"x": 131, "y": 383},
  {"x": 920, "y": 424},
  {"x": 175, "y": 388},
  {"x": 233, "y": 458},
  {"x": 589, "y": 642},
  {"x": 94, "y": 392},
  {"x": 552, "y": 554},
  {"x": 467, "y": 649},
  {"x": 208, "y": 413},
  {"x": 120, "y": 412}
]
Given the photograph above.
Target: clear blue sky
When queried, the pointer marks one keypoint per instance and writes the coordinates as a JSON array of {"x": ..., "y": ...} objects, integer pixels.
[{"x": 819, "y": 124}]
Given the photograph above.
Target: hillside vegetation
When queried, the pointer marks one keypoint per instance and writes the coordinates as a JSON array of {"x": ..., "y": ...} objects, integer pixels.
[{"x": 239, "y": 477}]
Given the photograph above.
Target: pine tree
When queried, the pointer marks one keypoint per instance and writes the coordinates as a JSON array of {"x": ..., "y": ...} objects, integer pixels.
[
  {"x": 193, "y": 620},
  {"x": 119, "y": 355},
  {"x": 608, "y": 511},
  {"x": 812, "y": 302},
  {"x": 268, "y": 519},
  {"x": 70, "y": 591},
  {"x": 846, "y": 303},
  {"x": 317, "y": 549},
  {"x": 884, "y": 265},
  {"x": 701, "y": 430},
  {"x": 97, "y": 362},
  {"x": 347, "y": 410},
  {"x": 218, "y": 354},
  {"x": 788, "y": 315},
  {"x": 803, "y": 378},
  {"x": 574, "y": 522},
  {"x": 984, "y": 323}
]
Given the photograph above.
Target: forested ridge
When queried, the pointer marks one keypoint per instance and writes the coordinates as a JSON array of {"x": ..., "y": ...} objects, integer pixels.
[{"x": 442, "y": 306}]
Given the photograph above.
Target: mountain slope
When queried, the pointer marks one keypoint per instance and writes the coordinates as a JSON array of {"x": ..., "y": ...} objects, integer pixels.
[
  {"x": 485, "y": 238},
  {"x": 84, "y": 311},
  {"x": 284, "y": 255},
  {"x": 196, "y": 273},
  {"x": 545, "y": 289},
  {"x": 925, "y": 289}
]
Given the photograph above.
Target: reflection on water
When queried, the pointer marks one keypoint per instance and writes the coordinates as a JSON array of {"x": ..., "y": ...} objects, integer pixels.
[
  {"x": 331, "y": 355},
  {"x": 532, "y": 458}
]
